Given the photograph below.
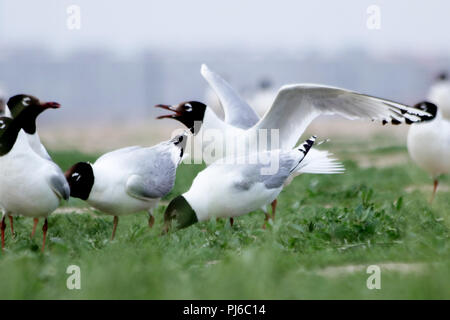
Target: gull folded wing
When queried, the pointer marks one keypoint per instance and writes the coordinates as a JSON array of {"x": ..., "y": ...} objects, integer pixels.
[{"x": 59, "y": 186}]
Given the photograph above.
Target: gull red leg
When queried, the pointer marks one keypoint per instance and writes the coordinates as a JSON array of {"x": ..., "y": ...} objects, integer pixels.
[
  {"x": 151, "y": 220},
  {"x": 12, "y": 225},
  {"x": 44, "y": 230},
  {"x": 435, "y": 186},
  {"x": 116, "y": 221},
  {"x": 35, "y": 222},
  {"x": 274, "y": 208},
  {"x": 265, "y": 220},
  {"x": 231, "y": 221},
  {"x": 3, "y": 227}
]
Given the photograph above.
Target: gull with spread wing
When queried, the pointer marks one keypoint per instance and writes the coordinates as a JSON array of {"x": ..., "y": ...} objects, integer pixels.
[{"x": 294, "y": 108}]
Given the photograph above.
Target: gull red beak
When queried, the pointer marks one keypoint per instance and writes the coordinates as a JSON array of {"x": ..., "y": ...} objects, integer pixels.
[
  {"x": 170, "y": 108},
  {"x": 50, "y": 105}
]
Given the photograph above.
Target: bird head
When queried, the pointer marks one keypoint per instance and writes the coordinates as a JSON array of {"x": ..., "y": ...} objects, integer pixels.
[
  {"x": 428, "y": 107},
  {"x": 179, "y": 211},
  {"x": 189, "y": 113},
  {"x": 27, "y": 108},
  {"x": 81, "y": 180}
]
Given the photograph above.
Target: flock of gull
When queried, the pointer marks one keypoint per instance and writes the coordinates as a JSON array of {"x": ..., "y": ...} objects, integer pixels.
[{"x": 134, "y": 179}]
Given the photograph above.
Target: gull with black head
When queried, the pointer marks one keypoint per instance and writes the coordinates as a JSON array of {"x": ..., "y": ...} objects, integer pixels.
[
  {"x": 128, "y": 180},
  {"x": 30, "y": 185},
  {"x": 14, "y": 107},
  {"x": 227, "y": 189}
]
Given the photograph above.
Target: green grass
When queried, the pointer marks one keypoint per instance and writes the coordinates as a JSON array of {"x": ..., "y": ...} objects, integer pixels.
[{"x": 363, "y": 217}]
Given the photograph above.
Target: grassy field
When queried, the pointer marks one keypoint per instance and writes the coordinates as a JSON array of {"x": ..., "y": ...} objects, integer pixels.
[{"x": 327, "y": 231}]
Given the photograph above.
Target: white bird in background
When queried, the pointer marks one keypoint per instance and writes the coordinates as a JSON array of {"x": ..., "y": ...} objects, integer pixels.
[
  {"x": 294, "y": 108},
  {"x": 227, "y": 190},
  {"x": 29, "y": 184},
  {"x": 128, "y": 180},
  {"x": 429, "y": 142}
]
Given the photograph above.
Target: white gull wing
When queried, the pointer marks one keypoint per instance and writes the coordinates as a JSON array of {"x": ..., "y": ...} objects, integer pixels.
[
  {"x": 288, "y": 164},
  {"x": 156, "y": 176},
  {"x": 318, "y": 162},
  {"x": 155, "y": 180},
  {"x": 237, "y": 112},
  {"x": 59, "y": 185},
  {"x": 296, "y": 106}
]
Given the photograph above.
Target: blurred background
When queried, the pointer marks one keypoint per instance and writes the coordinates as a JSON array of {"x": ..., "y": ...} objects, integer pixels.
[{"x": 109, "y": 62}]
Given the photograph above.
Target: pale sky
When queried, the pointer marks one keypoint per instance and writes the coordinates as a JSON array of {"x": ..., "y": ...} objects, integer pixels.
[{"x": 130, "y": 26}]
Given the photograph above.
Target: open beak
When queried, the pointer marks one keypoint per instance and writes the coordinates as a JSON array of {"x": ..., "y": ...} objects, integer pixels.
[
  {"x": 170, "y": 108},
  {"x": 50, "y": 105}
]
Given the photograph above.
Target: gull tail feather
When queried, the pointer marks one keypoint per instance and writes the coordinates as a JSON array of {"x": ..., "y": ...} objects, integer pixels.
[
  {"x": 304, "y": 150},
  {"x": 320, "y": 162}
]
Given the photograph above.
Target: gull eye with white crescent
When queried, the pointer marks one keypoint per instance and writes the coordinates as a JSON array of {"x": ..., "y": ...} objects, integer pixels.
[
  {"x": 76, "y": 176},
  {"x": 188, "y": 107},
  {"x": 26, "y": 101}
]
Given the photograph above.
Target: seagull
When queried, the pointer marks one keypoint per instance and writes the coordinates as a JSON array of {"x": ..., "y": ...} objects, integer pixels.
[
  {"x": 293, "y": 109},
  {"x": 13, "y": 108},
  {"x": 128, "y": 180},
  {"x": 429, "y": 142},
  {"x": 228, "y": 189},
  {"x": 29, "y": 184}
]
